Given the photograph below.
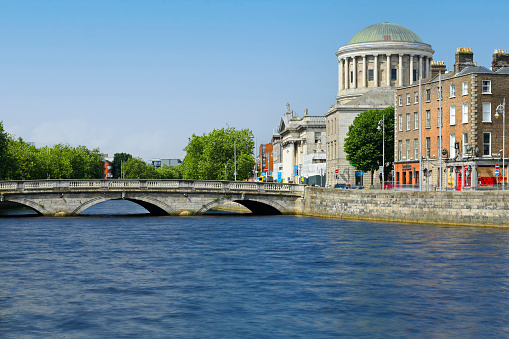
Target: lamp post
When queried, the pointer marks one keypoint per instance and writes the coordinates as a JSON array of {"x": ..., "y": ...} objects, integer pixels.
[
  {"x": 235, "y": 157},
  {"x": 501, "y": 109},
  {"x": 381, "y": 124}
]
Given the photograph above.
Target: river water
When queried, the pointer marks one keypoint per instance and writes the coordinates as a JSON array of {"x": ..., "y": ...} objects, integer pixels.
[{"x": 132, "y": 275}]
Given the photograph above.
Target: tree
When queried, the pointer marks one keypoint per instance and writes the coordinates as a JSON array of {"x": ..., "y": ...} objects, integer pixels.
[
  {"x": 169, "y": 172},
  {"x": 136, "y": 168},
  {"x": 207, "y": 156},
  {"x": 4, "y": 142},
  {"x": 118, "y": 159},
  {"x": 363, "y": 144}
]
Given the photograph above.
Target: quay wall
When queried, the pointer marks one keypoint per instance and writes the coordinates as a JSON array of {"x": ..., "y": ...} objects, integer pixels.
[{"x": 472, "y": 208}]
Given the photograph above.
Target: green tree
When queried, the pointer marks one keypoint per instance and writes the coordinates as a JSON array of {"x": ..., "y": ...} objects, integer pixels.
[
  {"x": 22, "y": 160},
  {"x": 363, "y": 144},
  {"x": 169, "y": 172},
  {"x": 207, "y": 155},
  {"x": 136, "y": 168},
  {"x": 118, "y": 159},
  {"x": 4, "y": 159}
]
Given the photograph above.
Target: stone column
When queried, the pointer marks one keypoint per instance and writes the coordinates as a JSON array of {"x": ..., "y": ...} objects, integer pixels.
[
  {"x": 364, "y": 72},
  {"x": 388, "y": 70},
  {"x": 411, "y": 79},
  {"x": 340, "y": 75},
  {"x": 347, "y": 80},
  {"x": 354, "y": 69},
  {"x": 400, "y": 70},
  {"x": 420, "y": 67},
  {"x": 375, "y": 70},
  {"x": 426, "y": 72}
]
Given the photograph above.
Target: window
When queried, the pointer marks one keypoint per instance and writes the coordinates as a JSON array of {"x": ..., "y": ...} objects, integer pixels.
[
  {"x": 371, "y": 75},
  {"x": 416, "y": 120},
  {"x": 416, "y": 97},
  {"x": 464, "y": 113},
  {"x": 408, "y": 98},
  {"x": 464, "y": 88},
  {"x": 452, "y": 147},
  {"x": 351, "y": 77},
  {"x": 318, "y": 137},
  {"x": 394, "y": 74},
  {"x": 428, "y": 119},
  {"x": 400, "y": 100},
  {"x": 400, "y": 122},
  {"x": 486, "y": 87},
  {"x": 407, "y": 149},
  {"x": 428, "y": 147},
  {"x": 439, "y": 117},
  {"x": 452, "y": 115},
  {"x": 415, "y": 75},
  {"x": 465, "y": 143},
  {"x": 486, "y": 111},
  {"x": 428, "y": 95},
  {"x": 408, "y": 121},
  {"x": 486, "y": 144},
  {"x": 400, "y": 149},
  {"x": 416, "y": 148},
  {"x": 439, "y": 93},
  {"x": 453, "y": 90}
]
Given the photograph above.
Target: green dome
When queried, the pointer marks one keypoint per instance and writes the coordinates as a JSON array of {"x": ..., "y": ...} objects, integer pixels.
[{"x": 385, "y": 32}]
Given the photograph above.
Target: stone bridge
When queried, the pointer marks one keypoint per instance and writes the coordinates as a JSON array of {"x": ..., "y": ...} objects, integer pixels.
[{"x": 159, "y": 197}]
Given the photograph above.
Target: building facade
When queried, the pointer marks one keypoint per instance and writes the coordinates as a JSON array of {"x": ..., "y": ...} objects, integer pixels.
[
  {"x": 446, "y": 130},
  {"x": 376, "y": 61},
  {"x": 300, "y": 151}
]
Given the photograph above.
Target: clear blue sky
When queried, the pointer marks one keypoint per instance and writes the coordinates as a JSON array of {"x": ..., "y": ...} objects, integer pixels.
[{"x": 142, "y": 76}]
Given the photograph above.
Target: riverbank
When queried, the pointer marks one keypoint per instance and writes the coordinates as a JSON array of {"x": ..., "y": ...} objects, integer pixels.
[{"x": 467, "y": 208}]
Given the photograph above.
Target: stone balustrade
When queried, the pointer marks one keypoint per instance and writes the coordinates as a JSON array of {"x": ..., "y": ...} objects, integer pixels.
[{"x": 33, "y": 185}]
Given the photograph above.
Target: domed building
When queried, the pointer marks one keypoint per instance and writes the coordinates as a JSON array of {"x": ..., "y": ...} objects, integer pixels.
[{"x": 376, "y": 61}]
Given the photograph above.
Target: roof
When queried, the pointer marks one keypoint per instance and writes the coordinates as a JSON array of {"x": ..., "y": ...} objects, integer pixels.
[
  {"x": 385, "y": 31},
  {"x": 503, "y": 70},
  {"x": 474, "y": 69}
]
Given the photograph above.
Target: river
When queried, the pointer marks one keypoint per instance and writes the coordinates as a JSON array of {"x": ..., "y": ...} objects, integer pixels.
[{"x": 118, "y": 273}]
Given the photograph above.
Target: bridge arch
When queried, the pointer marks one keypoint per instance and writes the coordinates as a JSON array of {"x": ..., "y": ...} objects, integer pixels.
[
  {"x": 154, "y": 206},
  {"x": 255, "y": 205},
  {"x": 39, "y": 209}
]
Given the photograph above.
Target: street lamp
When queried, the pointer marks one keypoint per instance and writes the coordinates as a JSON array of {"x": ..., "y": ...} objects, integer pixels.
[
  {"x": 381, "y": 124},
  {"x": 235, "y": 157},
  {"x": 501, "y": 109}
]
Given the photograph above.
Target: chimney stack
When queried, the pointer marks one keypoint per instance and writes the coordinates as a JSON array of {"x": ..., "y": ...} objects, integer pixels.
[
  {"x": 463, "y": 58},
  {"x": 437, "y": 67},
  {"x": 500, "y": 59}
]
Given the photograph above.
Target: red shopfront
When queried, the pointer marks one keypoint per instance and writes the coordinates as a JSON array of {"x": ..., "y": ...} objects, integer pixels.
[{"x": 406, "y": 174}]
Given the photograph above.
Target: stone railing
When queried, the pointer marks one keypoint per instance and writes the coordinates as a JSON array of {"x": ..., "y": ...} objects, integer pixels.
[{"x": 115, "y": 184}]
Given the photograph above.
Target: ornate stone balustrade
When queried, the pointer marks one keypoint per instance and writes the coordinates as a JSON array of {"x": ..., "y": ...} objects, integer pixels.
[{"x": 132, "y": 184}]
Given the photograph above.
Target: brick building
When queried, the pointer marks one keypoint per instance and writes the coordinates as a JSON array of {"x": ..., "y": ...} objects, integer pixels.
[{"x": 459, "y": 133}]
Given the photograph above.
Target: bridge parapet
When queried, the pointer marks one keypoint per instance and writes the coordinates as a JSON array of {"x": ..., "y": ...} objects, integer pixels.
[{"x": 144, "y": 184}]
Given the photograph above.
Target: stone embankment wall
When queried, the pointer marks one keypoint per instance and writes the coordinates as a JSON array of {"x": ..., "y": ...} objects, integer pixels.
[{"x": 472, "y": 208}]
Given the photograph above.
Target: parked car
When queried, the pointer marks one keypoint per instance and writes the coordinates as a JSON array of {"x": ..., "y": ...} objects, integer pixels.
[{"x": 342, "y": 186}]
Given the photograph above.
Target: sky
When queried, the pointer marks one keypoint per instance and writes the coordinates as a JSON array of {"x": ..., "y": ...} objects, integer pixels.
[{"x": 142, "y": 77}]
